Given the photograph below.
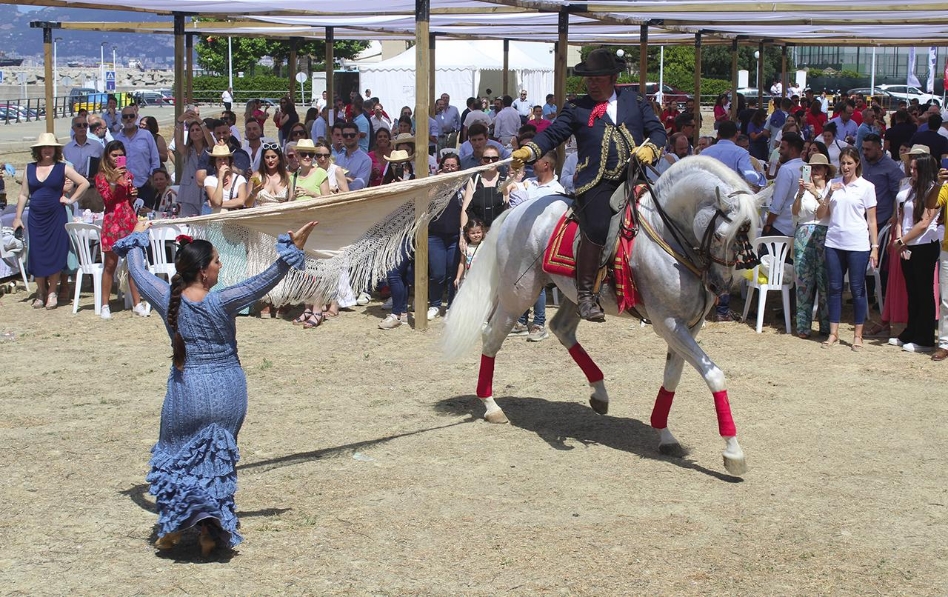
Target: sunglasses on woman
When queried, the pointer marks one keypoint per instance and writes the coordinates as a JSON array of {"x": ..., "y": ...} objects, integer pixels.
[
  {"x": 490, "y": 158},
  {"x": 306, "y": 155},
  {"x": 298, "y": 134},
  {"x": 271, "y": 146},
  {"x": 322, "y": 155}
]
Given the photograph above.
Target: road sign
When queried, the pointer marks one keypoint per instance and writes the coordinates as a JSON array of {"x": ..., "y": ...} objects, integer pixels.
[
  {"x": 300, "y": 77},
  {"x": 1, "y": 76},
  {"x": 110, "y": 80}
]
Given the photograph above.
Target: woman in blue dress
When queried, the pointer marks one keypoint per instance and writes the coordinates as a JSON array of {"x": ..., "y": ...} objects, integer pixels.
[
  {"x": 193, "y": 475},
  {"x": 46, "y": 222}
]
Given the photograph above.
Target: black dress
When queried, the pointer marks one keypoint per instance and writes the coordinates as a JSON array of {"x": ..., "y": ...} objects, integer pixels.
[{"x": 487, "y": 202}]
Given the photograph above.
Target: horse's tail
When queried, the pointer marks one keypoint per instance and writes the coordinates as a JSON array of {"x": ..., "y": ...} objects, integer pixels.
[{"x": 476, "y": 298}]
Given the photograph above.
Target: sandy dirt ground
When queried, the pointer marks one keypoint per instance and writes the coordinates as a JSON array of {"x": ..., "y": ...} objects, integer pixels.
[{"x": 367, "y": 470}]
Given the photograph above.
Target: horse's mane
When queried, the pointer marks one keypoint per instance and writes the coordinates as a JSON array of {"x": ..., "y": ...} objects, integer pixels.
[{"x": 741, "y": 207}]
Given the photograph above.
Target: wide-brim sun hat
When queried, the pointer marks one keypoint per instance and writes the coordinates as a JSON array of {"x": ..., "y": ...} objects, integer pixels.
[
  {"x": 221, "y": 151},
  {"x": 47, "y": 140},
  {"x": 918, "y": 149},
  {"x": 818, "y": 159},
  {"x": 399, "y": 155},
  {"x": 600, "y": 62},
  {"x": 403, "y": 138},
  {"x": 305, "y": 144}
]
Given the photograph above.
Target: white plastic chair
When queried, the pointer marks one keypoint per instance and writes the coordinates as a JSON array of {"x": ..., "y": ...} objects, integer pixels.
[
  {"x": 20, "y": 257},
  {"x": 85, "y": 239},
  {"x": 770, "y": 274},
  {"x": 158, "y": 238}
]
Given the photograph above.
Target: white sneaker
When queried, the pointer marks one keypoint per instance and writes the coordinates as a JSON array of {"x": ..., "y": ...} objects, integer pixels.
[
  {"x": 433, "y": 312},
  {"x": 363, "y": 299},
  {"x": 105, "y": 313},
  {"x": 910, "y": 347},
  {"x": 392, "y": 321},
  {"x": 387, "y": 305},
  {"x": 519, "y": 329},
  {"x": 538, "y": 333},
  {"x": 895, "y": 342},
  {"x": 141, "y": 309}
]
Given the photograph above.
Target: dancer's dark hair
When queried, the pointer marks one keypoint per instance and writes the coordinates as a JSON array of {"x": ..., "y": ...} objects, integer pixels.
[{"x": 193, "y": 257}]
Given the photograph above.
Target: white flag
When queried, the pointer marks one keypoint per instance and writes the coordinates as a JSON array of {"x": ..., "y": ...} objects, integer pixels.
[
  {"x": 930, "y": 84},
  {"x": 911, "y": 80}
]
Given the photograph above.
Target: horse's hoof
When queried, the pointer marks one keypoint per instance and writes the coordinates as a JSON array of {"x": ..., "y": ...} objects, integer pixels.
[
  {"x": 736, "y": 466},
  {"x": 674, "y": 450},
  {"x": 496, "y": 416},
  {"x": 600, "y": 406}
]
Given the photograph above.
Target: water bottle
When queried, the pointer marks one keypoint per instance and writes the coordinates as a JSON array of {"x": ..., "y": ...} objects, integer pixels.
[{"x": 175, "y": 209}]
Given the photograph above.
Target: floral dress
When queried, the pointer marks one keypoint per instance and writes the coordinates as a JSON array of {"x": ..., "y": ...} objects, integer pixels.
[{"x": 120, "y": 218}]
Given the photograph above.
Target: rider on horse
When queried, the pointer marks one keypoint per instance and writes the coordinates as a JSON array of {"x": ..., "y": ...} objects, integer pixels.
[{"x": 611, "y": 126}]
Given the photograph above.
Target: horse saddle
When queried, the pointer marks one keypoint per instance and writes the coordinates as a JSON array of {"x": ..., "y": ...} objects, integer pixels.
[{"x": 560, "y": 255}]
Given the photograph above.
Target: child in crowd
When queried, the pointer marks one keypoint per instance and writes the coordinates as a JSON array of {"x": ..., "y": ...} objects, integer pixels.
[{"x": 473, "y": 235}]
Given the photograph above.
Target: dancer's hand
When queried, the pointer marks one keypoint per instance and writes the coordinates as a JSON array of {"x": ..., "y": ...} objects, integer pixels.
[
  {"x": 300, "y": 236},
  {"x": 142, "y": 226}
]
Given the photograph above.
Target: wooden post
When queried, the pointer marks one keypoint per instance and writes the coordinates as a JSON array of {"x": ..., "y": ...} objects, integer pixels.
[
  {"x": 178, "y": 87},
  {"x": 559, "y": 76},
  {"x": 697, "y": 133},
  {"x": 733, "y": 115},
  {"x": 783, "y": 75},
  {"x": 643, "y": 59},
  {"x": 330, "y": 71},
  {"x": 189, "y": 66},
  {"x": 48, "y": 83},
  {"x": 422, "y": 109},
  {"x": 431, "y": 75},
  {"x": 760, "y": 75},
  {"x": 506, "y": 66},
  {"x": 293, "y": 43}
]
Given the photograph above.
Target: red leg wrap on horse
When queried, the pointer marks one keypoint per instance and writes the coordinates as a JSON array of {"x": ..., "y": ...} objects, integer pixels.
[
  {"x": 662, "y": 406},
  {"x": 485, "y": 378},
  {"x": 592, "y": 372},
  {"x": 725, "y": 423}
]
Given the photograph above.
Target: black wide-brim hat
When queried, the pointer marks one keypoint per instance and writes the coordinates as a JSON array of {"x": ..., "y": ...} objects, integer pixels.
[{"x": 600, "y": 62}]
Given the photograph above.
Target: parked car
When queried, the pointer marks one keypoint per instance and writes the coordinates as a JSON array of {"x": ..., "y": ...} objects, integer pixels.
[
  {"x": 12, "y": 110},
  {"x": 886, "y": 99},
  {"x": 668, "y": 92},
  {"x": 167, "y": 95},
  {"x": 908, "y": 93},
  {"x": 77, "y": 94},
  {"x": 149, "y": 98}
]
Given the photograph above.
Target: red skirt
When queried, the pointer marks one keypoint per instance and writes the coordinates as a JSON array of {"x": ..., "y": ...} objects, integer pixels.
[{"x": 118, "y": 224}]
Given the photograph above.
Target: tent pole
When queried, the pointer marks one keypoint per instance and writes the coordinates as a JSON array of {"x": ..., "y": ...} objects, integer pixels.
[
  {"x": 293, "y": 44},
  {"x": 422, "y": 101},
  {"x": 431, "y": 75},
  {"x": 697, "y": 133},
  {"x": 733, "y": 115},
  {"x": 506, "y": 66},
  {"x": 330, "y": 71},
  {"x": 178, "y": 87},
  {"x": 643, "y": 59},
  {"x": 760, "y": 75},
  {"x": 784, "y": 81},
  {"x": 189, "y": 68},
  {"x": 48, "y": 83},
  {"x": 559, "y": 76}
]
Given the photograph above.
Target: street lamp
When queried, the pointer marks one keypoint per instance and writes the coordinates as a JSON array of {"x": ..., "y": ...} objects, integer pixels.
[
  {"x": 114, "y": 63},
  {"x": 102, "y": 64},
  {"x": 757, "y": 69},
  {"x": 55, "y": 67}
]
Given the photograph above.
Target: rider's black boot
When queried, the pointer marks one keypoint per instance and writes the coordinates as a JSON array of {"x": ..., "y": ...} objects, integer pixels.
[{"x": 587, "y": 268}]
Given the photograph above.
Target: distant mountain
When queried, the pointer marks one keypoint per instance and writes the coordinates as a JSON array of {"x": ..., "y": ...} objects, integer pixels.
[{"x": 83, "y": 47}]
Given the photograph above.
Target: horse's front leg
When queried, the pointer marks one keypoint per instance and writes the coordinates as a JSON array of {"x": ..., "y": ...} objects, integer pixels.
[
  {"x": 681, "y": 341},
  {"x": 563, "y": 325}
]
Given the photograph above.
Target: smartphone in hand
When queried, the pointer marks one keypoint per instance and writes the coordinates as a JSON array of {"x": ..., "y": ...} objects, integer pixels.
[
  {"x": 121, "y": 161},
  {"x": 944, "y": 163},
  {"x": 805, "y": 171}
]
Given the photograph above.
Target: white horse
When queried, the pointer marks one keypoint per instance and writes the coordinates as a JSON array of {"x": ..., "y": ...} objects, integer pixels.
[{"x": 708, "y": 209}]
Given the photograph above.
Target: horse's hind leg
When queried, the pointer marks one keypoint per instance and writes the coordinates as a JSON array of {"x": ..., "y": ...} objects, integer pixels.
[
  {"x": 499, "y": 325},
  {"x": 563, "y": 325},
  {"x": 667, "y": 444},
  {"x": 683, "y": 343}
]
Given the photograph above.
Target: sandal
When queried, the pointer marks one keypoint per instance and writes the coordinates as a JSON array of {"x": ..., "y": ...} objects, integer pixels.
[
  {"x": 833, "y": 340},
  {"x": 940, "y": 355},
  {"x": 877, "y": 330},
  {"x": 302, "y": 318},
  {"x": 803, "y": 335},
  {"x": 38, "y": 303},
  {"x": 857, "y": 344},
  {"x": 52, "y": 301},
  {"x": 313, "y": 321}
]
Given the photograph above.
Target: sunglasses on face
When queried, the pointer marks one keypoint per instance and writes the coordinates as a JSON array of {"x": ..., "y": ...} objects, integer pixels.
[
  {"x": 94, "y": 127},
  {"x": 128, "y": 116},
  {"x": 322, "y": 155},
  {"x": 490, "y": 158},
  {"x": 80, "y": 126},
  {"x": 298, "y": 133},
  {"x": 274, "y": 146},
  {"x": 306, "y": 155},
  {"x": 350, "y": 135}
]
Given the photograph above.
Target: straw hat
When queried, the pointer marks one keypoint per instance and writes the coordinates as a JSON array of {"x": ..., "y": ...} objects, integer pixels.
[
  {"x": 399, "y": 155},
  {"x": 304, "y": 144},
  {"x": 403, "y": 138},
  {"x": 919, "y": 150},
  {"x": 47, "y": 140},
  {"x": 818, "y": 159},
  {"x": 221, "y": 151}
]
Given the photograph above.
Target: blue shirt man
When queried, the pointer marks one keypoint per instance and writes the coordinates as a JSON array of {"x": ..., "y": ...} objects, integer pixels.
[
  {"x": 356, "y": 161},
  {"x": 884, "y": 174},
  {"x": 779, "y": 217},
  {"x": 733, "y": 156},
  {"x": 141, "y": 151},
  {"x": 549, "y": 108}
]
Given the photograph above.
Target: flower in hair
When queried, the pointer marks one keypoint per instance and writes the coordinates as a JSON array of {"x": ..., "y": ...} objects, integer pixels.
[{"x": 183, "y": 239}]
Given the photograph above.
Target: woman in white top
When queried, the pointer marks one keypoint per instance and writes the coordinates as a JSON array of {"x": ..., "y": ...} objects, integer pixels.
[
  {"x": 271, "y": 182},
  {"x": 916, "y": 237},
  {"x": 851, "y": 242},
  {"x": 833, "y": 145},
  {"x": 809, "y": 263},
  {"x": 337, "y": 175},
  {"x": 228, "y": 189}
]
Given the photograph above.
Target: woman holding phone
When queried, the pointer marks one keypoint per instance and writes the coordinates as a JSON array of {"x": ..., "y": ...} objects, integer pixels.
[
  {"x": 114, "y": 182},
  {"x": 809, "y": 263}
]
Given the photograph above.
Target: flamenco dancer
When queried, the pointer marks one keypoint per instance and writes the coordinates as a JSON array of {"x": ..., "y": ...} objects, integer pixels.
[{"x": 193, "y": 475}]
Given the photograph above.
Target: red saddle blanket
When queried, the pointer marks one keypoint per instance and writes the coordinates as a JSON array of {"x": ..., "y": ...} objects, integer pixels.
[{"x": 560, "y": 259}]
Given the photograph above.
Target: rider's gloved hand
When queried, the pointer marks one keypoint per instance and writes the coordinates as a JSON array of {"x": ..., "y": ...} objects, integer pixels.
[
  {"x": 521, "y": 156},
  {"x": 646, "y": 153}
]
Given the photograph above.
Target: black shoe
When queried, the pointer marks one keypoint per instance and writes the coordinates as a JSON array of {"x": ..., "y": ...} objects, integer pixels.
[{"x": 587, "y": 268}]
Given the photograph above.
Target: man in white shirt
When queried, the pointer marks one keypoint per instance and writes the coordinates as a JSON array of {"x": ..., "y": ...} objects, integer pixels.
[
  {"x": 786, "y": 185},
  {"x": 322, "y": 102},
  {"x": 543, "y": 183},
  {"x": 253, "y": 143},
  {"x": 227, "y": 98},
  {"x": 507, "y": 122},
  {"x": 523, "y": 106}
]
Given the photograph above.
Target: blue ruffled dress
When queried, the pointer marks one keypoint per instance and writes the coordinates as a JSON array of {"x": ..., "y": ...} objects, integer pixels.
[{"x": 193, "y": 475}]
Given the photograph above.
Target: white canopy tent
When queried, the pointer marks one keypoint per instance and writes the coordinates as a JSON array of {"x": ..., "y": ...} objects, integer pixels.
[{"x": 464, "y": 68}]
